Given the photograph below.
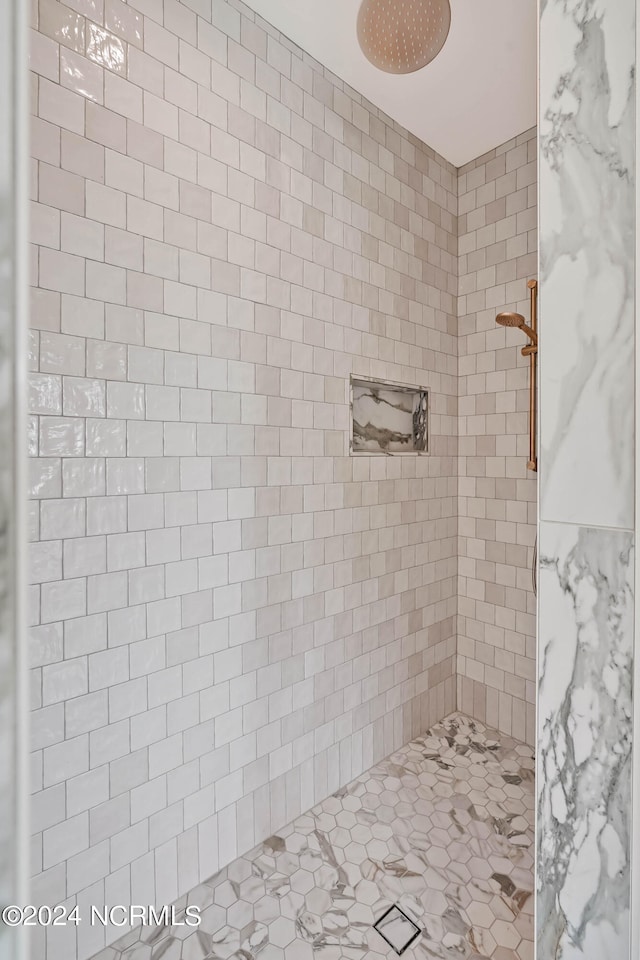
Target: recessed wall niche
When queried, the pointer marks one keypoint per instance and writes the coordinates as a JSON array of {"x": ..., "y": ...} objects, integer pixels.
[{"x": 388, "y": 418}]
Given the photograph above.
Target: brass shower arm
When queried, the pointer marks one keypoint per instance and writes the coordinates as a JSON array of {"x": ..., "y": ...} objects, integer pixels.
[{"x": 533, "y": 336}]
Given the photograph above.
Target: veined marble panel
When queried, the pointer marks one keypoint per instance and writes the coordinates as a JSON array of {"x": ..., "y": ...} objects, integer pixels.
[
  {"x": 584, "y": 743},
  {"x": 587, "y": 250}
]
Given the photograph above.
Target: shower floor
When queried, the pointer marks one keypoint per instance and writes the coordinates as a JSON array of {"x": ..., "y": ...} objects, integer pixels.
[{"x": 443, "y": 828}]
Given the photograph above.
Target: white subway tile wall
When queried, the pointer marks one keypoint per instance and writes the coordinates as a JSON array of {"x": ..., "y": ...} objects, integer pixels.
[
  {"x": 231, "y": 617},
  {"x": 497, "y": 495}
]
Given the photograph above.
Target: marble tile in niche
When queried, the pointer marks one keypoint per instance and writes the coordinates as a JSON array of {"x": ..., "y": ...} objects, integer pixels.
[{"x": 388, "y": 418}]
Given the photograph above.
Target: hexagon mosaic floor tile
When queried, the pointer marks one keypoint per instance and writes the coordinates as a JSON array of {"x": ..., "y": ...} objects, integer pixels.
[{"x": 443, "y": 828}]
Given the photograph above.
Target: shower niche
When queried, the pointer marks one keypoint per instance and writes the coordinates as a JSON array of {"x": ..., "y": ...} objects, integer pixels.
[{"x": 388, "y": 418}]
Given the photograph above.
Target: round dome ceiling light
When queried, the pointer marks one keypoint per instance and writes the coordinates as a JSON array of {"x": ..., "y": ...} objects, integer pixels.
[{"x": 402, "y": 36}]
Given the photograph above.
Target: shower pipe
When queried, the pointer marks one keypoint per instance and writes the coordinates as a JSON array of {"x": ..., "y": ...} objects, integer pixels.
[{"x": 531, "y": 351}]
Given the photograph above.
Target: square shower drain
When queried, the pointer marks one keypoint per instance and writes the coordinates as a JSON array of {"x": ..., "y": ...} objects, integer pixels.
[{"x": 397, "y": 929}]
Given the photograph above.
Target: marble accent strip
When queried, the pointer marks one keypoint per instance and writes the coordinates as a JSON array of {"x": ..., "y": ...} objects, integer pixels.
[
  {"x": 635, "y": 812},
  {"x": 584, "y": 743},
  {"x": 587, "y": 261}
]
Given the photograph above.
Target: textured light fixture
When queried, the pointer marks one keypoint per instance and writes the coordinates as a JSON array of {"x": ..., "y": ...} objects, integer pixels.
[{"x": 401, "y": 36}]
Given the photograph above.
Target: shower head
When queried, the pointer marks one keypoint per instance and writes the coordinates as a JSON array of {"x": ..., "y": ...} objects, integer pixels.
[
  {"x": 517, "y": 320},
  {"x": 510, "y": 320}
]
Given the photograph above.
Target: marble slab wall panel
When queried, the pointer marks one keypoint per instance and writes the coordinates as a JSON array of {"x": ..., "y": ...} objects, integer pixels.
[
  {"x": 584, "y": 743},
  {"x": 587, "y": 250},
  {"x": 586, "y": 604}
]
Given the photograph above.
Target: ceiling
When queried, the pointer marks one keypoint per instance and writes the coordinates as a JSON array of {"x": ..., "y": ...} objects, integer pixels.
[{"x": 479, "y": 91}]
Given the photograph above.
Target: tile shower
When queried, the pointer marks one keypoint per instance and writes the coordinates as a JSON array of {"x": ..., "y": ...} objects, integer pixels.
[
  {"x": 232, "y": 618},
  {"x": 437, "y": 839},
  {"x": 498, "y": 242}
]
